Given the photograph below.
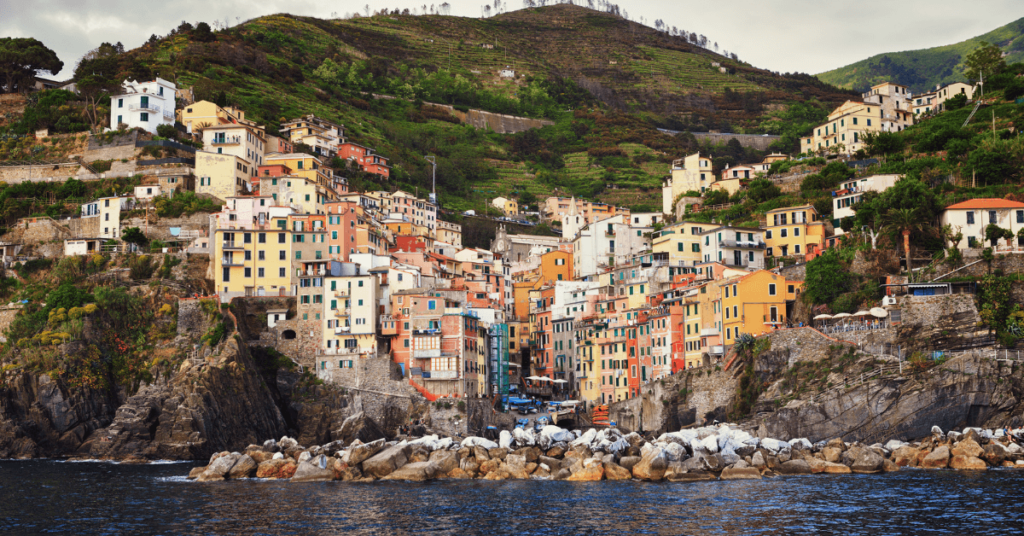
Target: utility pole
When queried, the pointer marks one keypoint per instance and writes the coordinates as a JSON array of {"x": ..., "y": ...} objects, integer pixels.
[{"x": 433, "y": 178}]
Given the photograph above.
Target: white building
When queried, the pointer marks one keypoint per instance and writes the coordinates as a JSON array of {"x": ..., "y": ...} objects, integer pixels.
[
  {"x": 735, "y": 247},
  {"x": 605, "y": 244},
  {"x": 108, "y": 210},
  {"x": 852, "y": 191},
  {"x": 146, "y": 105},
  {"x": 242, "y": 141},
  {"x": 972, "y": 218},
  {"x": 692, "y": 173}
]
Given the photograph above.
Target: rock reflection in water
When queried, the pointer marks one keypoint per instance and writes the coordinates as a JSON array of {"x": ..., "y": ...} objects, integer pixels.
[{"x": 45, "y": 496}]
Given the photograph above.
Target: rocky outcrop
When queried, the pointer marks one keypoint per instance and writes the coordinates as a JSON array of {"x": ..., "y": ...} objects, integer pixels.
[
  {"x": 222, "y": 404},
  {"x": 43, "y": 417},
  {"x": 965, "y": 391}
]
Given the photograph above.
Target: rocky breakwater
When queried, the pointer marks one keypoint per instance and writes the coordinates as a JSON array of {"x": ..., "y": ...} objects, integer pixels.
[{"x": 710, "y": 453}]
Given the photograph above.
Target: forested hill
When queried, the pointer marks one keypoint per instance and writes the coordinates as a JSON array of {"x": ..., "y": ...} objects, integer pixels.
[{"x": 924, "y": 69}]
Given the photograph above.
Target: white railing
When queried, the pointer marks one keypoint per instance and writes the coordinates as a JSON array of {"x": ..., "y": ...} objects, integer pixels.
[{"x": 146, "y": 107}]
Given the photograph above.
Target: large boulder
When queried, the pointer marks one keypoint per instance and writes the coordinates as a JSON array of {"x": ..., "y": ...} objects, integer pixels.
[
  {"x": 628, "y": 462},
  {"x": 967, "y": 447},
  {"x": 906, "y": 456},
  {"x": 245, "y": 467},
  {"x": 674, "y": 452},
  {"x": 416, "y": 471},
  {"x": 967, "y": 463},
  {"x": 740, "y": 473},
  {"x": 346, "y": 472},
  {"x": 279, "y": 468},
  {"x": 835, "y": 469},
  {"x": 652, "y": 466},
  {"x": 831, "y": 454},
  {"x": 362, "y": 452},
  {"x": 794, "y": 467},
  {"x": 937, "y": 459},
  {"x": 613, "y": 471},
  {"x": 994, "y": 454},
  {"x": 219, "y": 468},
  {"x": 446, "y": 460},
  {"x": 387, "y": 461},
  {"x": 690, "y": 476},
  {"x": 868, "y": 461},
  {"x": 592, "y": 471},
  {"x": 516, "y": 466},
  {"x": 359, "y": 426},
  {"x": 316, "y": 469}
]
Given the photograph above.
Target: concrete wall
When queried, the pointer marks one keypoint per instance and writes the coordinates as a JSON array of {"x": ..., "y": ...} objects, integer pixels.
[
  {"x": 500, "y": 123},
  {"x": 160, "y": 228},
  {"x": 756, "y": 141}
]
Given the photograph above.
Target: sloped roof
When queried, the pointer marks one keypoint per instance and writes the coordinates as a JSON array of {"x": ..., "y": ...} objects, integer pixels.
[{"x": 986, "y": 203}]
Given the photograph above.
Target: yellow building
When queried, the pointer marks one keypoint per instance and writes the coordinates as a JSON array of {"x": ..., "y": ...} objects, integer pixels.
[
  {"x": 791, "y": 230},
  {"x": 301, "y": 194},
  {"x": 508, "y": 206},
  {"x": 730, "y": 185},
  {"x": 304, "y": 165},
  {"x": 222, "y": 175},
  {"x": 350, "y": 316},
  {"x": 692, "y": 173},
  {"x": 204, "y": 113},
  {"x": 755, "y": 304},
  {"x": 680, "y": 241},
  {"x": 886, "y": 108},
  {"x": 692, "y": 349},
  {"x": 266, "y": 260}
]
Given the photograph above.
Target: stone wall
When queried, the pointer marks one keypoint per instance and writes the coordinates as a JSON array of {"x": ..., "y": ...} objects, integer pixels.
[
  {"x": 756, "y": 141},
  {"x": 949, "y": 322},
  {"x": 112, "y": 152},
  {"x": 794, "y": 272},
  {"x": 709, "y": 394},
  {"x": 191, "y": 318},
  {"x": 1011, "y": 263},
  {"x": 160, "y": 228},
  {"x": 7, "y": 314},
  {"x": 803, "y": 344},
  {"x": 39, "y": 173}
]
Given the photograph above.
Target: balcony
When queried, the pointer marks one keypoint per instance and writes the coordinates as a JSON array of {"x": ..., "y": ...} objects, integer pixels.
[
  {"x": 440, "y": 375},
  {"x": 742, "y": 244},
  {"x": 426, "y": 353},
  {"x": 341, "y": 293},
  {"x": 144, "y": 108},
  {"x": 232, "y": 245},
  {"x": 227, "y": 140},
  {"x": 343, "y": 313},
  {"x": 230, "y": 261},
  {"x": 709, "y": 332}
]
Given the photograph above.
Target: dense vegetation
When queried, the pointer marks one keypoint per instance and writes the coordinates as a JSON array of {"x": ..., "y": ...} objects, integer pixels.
[{"x": 923, "y": 69}]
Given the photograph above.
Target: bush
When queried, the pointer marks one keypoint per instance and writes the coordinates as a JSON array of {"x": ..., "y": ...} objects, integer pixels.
[{"x": 167, "y": 131}]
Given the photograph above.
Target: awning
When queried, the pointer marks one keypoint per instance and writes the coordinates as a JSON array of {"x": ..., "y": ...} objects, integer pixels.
[
  {"x": 842, "y": 315},
  {"x": 879, "y": 312},
  {"x": 862, "y": 313},
  {"x": 823, "y": 317}
]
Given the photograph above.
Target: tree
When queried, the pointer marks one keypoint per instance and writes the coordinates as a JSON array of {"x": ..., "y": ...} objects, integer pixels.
[
  {"x": 985, "y": 61},
  {"x": 884, "y": 143},
  {"x": 97, "y": 78},
  {"x": 994, "y": 232},
  {"x": 66, "y": 296},
  {"x": 22, "y": 58},
  {"x": 905, "y": 221},
  {"x": 761, "y": 190},
  {"x": 956, "y": 102},
  {"x": 202, "y": 33},
  {"x": 826, "y": 278},
  {"x": 133, "y": 235}
]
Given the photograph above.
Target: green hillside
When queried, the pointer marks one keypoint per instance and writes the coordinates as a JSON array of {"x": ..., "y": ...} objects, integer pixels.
[
  {"x": 924, "y": 69},
  {"x": 607, "y": 83}
]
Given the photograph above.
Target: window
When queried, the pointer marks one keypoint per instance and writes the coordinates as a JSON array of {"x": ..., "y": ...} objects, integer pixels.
[
  {"x": 992, "y": 218},
  {"x": 782, "y": 233},
  {"x": 144, "y": 117},
  {"x": 768, "y": 234},
  {"x": 771, "y": 289},
  {"x": 280, "y": 272},
  {"x": 1020, "y": 216},
  {"x": 120, "y": 120},
  {"x": 120, "y": 104},
  {"x": 796, "y": 231},
  {"x": 970, "y": 217}
]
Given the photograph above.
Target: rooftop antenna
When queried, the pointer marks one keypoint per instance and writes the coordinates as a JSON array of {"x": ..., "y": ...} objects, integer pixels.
[{"x": 433, "y": 178}]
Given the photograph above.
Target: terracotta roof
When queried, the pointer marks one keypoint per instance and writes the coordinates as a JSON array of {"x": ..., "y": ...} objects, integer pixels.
[{"x": 986, "y": 203}]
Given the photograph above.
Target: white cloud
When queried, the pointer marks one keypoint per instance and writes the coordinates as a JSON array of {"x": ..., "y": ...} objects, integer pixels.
[{"x": 784, "y": 35}]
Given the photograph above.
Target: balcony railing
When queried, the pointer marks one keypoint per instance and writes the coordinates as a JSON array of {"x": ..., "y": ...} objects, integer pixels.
[
  {"x": 230, "y": 261},
  {"x": 144, "y": 107},
  {"x": 742, "y": 244},
  {"x": 232, "y": 245},
  {"x": 227, "y": 140}
]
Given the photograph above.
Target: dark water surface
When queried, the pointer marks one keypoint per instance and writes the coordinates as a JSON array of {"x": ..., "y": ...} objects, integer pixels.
[{"x": 102, "y": 498}]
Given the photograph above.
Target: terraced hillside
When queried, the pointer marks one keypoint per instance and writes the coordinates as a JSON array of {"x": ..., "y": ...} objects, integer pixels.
[{"x": 606, "y": 83}]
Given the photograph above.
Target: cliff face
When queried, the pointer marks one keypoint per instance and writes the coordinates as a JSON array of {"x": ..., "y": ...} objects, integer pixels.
[
  {"x": 219, "y": 404},
  {"x": 41, "y": 417},
  {"x": 966, "y": 391}
]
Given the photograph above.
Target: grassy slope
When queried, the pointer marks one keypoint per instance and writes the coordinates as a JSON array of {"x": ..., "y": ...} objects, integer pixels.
[{"x": 923, "y": 69}]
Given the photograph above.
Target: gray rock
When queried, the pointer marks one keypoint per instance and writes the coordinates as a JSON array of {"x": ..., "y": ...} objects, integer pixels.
[
  {"x": 794, "y": 467},
  {"x": 868, "y": 461},
  {"x": 445, "y": 460},
  {"x": 629, "y": 461},
  {"x": 360, "y": 453},
  {"x": 277, "y": 456},
  {"x": 218, "y": 470},
  {"x": 245, "y": 467},
  {"x": 417, "y": 471},
  {"x": 316, "y": 469},
  {"x": 387, "y": 461},
  {"x": 757, "y": 460}
]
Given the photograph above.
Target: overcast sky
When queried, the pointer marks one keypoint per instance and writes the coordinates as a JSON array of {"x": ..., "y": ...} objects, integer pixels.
[{"x": 808, "y": 36}]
